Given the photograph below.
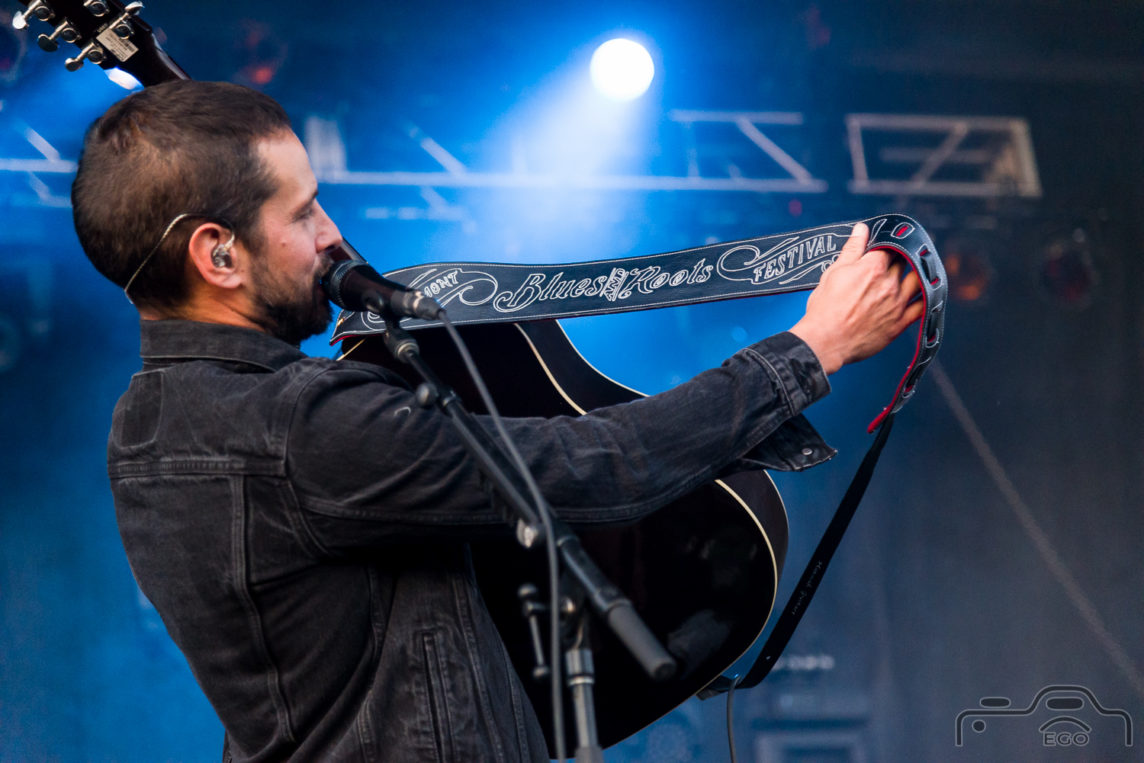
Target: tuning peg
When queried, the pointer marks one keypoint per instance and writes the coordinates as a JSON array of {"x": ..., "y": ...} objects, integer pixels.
[
  {"x": 96, "y": 8},
  {"x": 39, "y": 9},
  {"x": 122, "y": 25},
  {"x": 93, "y": 52},
  {"x": 64, "y": 31}
]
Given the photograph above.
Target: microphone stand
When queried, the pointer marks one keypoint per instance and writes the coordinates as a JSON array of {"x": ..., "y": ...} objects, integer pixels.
[{"x": 615, "y": 609}]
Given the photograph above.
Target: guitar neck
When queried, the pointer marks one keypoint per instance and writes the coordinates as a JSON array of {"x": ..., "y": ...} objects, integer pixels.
[{"x": 106, "y": 33}]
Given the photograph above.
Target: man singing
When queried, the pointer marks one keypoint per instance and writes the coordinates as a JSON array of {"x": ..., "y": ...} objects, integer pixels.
[{"x": 301, "y": 523}]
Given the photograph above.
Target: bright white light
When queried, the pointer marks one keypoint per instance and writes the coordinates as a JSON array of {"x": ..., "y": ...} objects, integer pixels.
[
  {"x": 622, "y": 69},
  {"x": 19, "y": 22},
  {"x": 122, "y": 78}
]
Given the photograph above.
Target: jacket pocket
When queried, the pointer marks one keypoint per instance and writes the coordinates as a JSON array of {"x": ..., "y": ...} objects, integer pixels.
[{"x": 437, "y": 697}]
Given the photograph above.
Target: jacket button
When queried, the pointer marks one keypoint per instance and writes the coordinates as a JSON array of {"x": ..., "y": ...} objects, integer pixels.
[{"x": 808, "y": 451}]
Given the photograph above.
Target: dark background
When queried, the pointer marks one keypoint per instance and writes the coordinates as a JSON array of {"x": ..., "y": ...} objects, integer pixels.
[{"x": 996, "y": 553}]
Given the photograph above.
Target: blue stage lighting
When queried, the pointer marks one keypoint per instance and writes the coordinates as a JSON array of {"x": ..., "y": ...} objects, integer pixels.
[{"x": 622, "y": 69}]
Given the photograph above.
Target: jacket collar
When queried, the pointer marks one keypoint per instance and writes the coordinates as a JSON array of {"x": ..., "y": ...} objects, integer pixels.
[{"x": 169, "y": 341}]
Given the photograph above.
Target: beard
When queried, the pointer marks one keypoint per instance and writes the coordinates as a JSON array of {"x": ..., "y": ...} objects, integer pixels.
[{"x": 290, "y": 312}]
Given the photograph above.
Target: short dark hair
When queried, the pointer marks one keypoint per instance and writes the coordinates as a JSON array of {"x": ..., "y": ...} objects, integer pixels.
[{"x": 179, "y": 147}]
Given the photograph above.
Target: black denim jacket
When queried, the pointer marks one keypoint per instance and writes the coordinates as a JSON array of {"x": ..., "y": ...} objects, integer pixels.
[{"x": 300, "y": 526}]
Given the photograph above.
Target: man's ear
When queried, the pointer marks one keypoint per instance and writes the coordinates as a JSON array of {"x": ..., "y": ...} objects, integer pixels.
[{"x": 212, "y": 255}]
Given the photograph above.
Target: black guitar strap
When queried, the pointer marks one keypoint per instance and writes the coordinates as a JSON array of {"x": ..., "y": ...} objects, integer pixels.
[
  {"x": 492, "y": 292},
  {"x": 489, "y": 292}
]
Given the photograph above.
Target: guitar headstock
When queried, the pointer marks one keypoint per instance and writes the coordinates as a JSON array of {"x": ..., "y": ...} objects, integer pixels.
[{"x": 106, "y": 33}]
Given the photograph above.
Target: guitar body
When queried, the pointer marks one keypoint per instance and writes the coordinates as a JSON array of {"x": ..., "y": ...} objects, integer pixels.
[{"x": 702, "y": 571}]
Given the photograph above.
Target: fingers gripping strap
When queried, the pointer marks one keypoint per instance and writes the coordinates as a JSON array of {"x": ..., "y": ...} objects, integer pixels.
[{"x": 903, "y": 235}]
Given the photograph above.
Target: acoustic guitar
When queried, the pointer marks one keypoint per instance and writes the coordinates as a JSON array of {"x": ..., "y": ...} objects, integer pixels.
[{"x": 703, "y": 570}]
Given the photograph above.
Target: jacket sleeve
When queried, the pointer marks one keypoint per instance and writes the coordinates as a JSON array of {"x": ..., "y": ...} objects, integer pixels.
[{"x": 368, "y": 465}]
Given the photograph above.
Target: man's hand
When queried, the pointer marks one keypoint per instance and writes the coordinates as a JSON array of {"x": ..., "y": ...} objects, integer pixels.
[{"x": 860, "y": 305}]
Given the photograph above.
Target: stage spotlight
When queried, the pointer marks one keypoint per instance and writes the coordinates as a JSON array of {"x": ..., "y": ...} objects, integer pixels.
[
  {"x": 1067, "y": 275},
  {"x": 970, "y": 273},
  {"x": 260, "y": 53},
  {"x": 621, "y": 69}
]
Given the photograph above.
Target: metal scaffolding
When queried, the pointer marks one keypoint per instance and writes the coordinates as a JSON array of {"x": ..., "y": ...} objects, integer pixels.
[{"x": 901, "y": 155}]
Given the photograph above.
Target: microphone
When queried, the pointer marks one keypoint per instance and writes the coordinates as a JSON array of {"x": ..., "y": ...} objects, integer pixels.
[{"x": 354, "y": 285}]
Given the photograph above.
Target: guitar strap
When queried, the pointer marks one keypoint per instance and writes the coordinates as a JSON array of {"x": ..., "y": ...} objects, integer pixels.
[
  {"x": 491, "y": 293},
  {"x": 486, "y": 292}
]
